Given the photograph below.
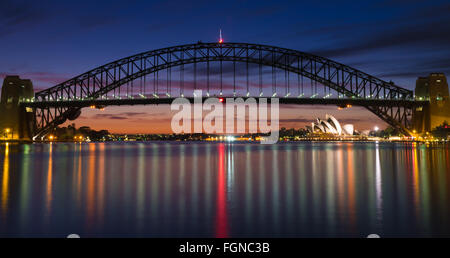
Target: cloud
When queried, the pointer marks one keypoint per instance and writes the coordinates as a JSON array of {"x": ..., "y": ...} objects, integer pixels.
[
  {"x": 264, "y": 11},
  {"x": 412, "y": 40},
  {"x": 94, "y": 21},
  {"x": 414, "y": 67},
  {"x": 119, "y": 116},
  {"x": 352, "y": 120},
  {"x": 166, "y": 120},
  {"x": 296, "y": 120},
  {"x": 109, "y": 116},
  {"x": 40, "y": 80},
  {"x": 134, "y": 114},
  {"x": 311, "y": 119},
  {"x": 158, "y": 26},
  {"x": 16, "y": 16},
  {"x": 427, "y": 29},
  {"x": 47, "y": 77}
]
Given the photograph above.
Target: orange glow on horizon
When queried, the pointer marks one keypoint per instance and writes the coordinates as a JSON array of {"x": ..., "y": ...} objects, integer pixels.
[{"x": 157, "y": 120}]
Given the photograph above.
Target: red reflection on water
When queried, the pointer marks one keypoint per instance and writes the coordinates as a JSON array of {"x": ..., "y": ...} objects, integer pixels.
[{"x": 221, "y": 212}]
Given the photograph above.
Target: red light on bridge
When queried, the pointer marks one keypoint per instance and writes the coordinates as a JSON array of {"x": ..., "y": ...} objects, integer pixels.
[
  {"x": 221, "y": 100},
  {"x": 220, "y": 37}
]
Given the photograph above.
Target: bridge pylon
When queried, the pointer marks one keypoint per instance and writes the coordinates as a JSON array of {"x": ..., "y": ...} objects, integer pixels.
[
  {"x": 433, "y": 88},
  {"x": 17, "y": 122}
]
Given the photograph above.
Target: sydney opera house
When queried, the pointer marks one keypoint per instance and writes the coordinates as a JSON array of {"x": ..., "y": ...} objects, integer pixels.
[{"x": 330, "y": 126}]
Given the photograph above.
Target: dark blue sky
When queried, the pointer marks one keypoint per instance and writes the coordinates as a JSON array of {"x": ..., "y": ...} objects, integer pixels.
[
  {"x": 51, "y": 41},
  {"x": 55, "y": 40}
]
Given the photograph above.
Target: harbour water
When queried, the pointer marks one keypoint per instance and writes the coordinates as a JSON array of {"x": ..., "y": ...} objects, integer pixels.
[{"x": 196, "y": 189}]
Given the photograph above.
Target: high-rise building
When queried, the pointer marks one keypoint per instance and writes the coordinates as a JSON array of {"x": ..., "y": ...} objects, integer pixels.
[
  {"x": 435, "y": 89},
  {"x": 16, "y": 122}
]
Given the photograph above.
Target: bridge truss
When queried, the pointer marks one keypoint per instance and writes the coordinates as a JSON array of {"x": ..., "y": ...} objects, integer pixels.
[{"x": 213, "y": 67}]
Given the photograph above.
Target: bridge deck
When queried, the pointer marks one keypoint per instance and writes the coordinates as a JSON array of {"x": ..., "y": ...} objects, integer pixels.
[{"x": 157, "y": 101}]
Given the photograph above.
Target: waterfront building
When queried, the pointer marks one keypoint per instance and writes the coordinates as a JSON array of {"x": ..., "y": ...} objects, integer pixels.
[
  {"x": 435, "y": 89},
  {"x": 330, "y": 125}
]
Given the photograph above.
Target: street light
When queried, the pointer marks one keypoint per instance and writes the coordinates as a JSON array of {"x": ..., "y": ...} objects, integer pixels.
[
  {"x": 7, "y": 132},
  {"x": 376, "y": 128}
]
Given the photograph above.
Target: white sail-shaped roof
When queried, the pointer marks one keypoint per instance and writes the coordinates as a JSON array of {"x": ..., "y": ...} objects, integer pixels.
[
  {"x": 331, "y": 125},
  {"x": 348, "y": 129},
  {"x": 328, "y": 127},
  {"x": 318, "y": 126},
  {"x": 332, "y": 120}
]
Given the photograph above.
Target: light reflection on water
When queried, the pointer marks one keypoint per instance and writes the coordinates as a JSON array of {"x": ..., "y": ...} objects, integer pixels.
[{"x": 225, "y": 190}]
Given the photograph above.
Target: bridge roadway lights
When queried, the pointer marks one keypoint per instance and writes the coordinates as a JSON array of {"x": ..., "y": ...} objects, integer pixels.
[
  {"x": 286, "y": 100},
  {"x": 166, "y": 101}
]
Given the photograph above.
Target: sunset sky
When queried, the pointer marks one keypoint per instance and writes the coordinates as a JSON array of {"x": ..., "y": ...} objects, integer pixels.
[{"x": 52, "y": 41}]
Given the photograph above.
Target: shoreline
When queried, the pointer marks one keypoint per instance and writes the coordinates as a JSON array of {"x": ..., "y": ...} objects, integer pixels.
[{"x": 249, "y": 142}]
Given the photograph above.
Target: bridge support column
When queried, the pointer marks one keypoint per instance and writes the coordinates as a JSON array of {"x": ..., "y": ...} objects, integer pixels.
[
  {"x": 435, "y": 89},
  {"x": 16, "y": 122}
]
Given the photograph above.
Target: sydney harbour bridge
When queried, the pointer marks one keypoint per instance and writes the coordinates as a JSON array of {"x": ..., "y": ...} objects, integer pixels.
[{"x": 228, "y": 70}]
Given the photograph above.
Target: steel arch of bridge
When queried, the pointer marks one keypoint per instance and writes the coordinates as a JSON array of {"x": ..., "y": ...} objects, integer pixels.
[{"x": 350, "y": 82}]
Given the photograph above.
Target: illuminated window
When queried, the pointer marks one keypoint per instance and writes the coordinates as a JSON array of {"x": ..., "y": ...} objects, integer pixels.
[
  {"x": 438, "y": 80},
  {"x": 10, "y": 100}
]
